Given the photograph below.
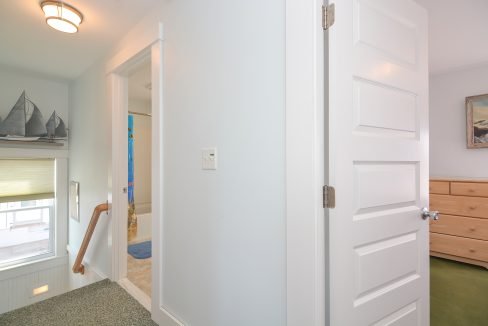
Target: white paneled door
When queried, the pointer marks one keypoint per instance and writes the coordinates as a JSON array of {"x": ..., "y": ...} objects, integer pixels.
[{"x": 378, "y": 163}]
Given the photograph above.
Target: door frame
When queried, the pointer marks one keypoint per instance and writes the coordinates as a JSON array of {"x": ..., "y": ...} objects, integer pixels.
[
  {"x": 118, "y": 98},
  {"x": 118, "y": 79},
  {"x": 306, "y": 237},
  {"x": 146, "y": 42}
]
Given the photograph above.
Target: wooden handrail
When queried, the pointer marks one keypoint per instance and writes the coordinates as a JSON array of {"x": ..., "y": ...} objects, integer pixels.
[{"x": 78, "y": 266}]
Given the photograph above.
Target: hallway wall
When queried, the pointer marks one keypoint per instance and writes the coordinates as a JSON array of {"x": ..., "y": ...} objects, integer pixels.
[
  {"x": 224, "y": 82},
  {"x": 224, "y": 234},
  {"x": 89, "y": 163}
]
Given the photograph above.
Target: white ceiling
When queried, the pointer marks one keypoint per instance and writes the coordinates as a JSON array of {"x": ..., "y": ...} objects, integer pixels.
[
  {"x": 457, "y": 33},
  {"x": 27, "y": 42}
]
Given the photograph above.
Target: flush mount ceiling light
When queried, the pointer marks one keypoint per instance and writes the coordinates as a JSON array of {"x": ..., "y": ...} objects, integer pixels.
[{"x": 62, "y": 16}]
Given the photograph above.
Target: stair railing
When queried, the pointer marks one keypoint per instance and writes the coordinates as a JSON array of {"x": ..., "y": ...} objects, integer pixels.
[{"x": 78, "y": 266}]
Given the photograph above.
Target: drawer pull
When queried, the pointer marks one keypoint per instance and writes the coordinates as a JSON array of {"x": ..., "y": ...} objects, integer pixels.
[
  {"x": 472, "y": 229},
  {"x": 472, "y": 208},
  {"x": 434, "y": 215},
  {"x": 472, "y": 250}
]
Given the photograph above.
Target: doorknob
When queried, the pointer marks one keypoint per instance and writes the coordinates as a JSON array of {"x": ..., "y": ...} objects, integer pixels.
[{"x": 426, "y": 214}]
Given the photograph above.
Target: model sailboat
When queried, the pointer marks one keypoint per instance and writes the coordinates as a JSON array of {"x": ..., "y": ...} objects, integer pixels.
[
  {"x": 25, "y": 122},
  {"x": 56, "y": 129},
  {"x": 17, "y": 125}
]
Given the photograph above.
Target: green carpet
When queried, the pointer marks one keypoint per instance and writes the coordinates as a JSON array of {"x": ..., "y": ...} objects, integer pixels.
[
  {"x": 458, "y": 294},
  {"x": 103, "y": 304}
]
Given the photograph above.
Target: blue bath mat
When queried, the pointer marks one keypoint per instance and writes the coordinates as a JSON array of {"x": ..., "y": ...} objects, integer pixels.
[{"x": 140, "y": 250}]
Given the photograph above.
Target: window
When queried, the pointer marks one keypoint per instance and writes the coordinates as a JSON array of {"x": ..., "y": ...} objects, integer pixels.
[{"x": 27, "y": 210}]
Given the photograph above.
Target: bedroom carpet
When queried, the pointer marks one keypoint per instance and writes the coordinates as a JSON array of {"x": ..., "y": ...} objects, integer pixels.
[
  {"x": 103, "y": 303},
  {"x": 459, "y": 294}
]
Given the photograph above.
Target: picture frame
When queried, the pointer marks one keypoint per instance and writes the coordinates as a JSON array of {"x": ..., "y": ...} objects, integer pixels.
[
  {"x": 477, "y": 121},
  {"x": 74, "y": 200}
]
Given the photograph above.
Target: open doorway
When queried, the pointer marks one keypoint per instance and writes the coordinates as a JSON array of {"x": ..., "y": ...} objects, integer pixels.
[
  {"x": 458, "y": 138},
  {"x": 121, "y": 67},
  {"x": 139, "y": 177},
  {"x": 134, "y": 79}
]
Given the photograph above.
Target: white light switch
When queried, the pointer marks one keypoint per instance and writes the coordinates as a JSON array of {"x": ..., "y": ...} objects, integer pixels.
[{"x": 209, "y": 158}]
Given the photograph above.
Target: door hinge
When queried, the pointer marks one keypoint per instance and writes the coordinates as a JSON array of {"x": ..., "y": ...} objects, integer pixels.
[
  {"x": 328, "y": 16},
  {"x": 328, "y": 197}
]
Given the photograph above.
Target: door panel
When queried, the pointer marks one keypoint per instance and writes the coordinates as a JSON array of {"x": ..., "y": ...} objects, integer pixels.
[
  {"x": 378, "y": 161},
  {"x": 406, "y": 316},
  {"x": 380, "y": 108},
  {"x": 375, "y": 185}
]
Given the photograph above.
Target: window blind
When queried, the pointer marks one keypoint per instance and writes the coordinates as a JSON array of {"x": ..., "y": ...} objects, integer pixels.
[{"x": 26, "y": 179}]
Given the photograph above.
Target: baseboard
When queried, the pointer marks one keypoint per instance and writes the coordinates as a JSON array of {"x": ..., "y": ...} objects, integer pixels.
[
  {"x": 163, "y": 318},
  {"x": 166, "y": 318},
  {"x": 90, "y": 276},
  {"x": 136, "y": 293}
]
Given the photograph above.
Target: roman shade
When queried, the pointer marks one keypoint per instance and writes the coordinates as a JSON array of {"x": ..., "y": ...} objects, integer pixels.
[{"x": 26, "y": 179}]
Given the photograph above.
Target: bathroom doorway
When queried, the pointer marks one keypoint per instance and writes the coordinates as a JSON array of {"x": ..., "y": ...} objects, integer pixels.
[{"x": 139, "y": 177}]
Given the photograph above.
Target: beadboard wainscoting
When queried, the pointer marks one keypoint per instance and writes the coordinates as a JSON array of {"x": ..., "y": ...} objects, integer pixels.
[{"x": 18, "y": 283}]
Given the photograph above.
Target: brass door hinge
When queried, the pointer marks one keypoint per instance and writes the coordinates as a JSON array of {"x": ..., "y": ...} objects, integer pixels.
[
  {"x": 328, "y": 16},
  {"x": 328, "y": 197}
]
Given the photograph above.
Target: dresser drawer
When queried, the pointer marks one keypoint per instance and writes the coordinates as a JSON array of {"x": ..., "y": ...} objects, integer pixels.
[
  {"x": 459, "y": 205},
  {"x": 469, "y": 189},
  {"x": 469, "y": 227},
  {"x": 458, "y": 246},
  {"x": 439, "y": 187}
]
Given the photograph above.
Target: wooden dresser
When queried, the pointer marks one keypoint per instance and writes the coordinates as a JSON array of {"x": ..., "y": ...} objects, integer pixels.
[{"x": 461, "y": 233}]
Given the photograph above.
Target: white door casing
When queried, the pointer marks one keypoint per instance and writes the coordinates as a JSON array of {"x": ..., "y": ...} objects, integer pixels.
[
  {"x": 305, "y": 247},
  {"x": 378, "y": 149},
  {"x": 146, "y": 40}
]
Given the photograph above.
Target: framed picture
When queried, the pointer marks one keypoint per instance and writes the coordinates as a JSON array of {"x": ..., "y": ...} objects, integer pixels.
[
  {"x": 74, "y": 200},
  {"x": 477, "y": 121}
]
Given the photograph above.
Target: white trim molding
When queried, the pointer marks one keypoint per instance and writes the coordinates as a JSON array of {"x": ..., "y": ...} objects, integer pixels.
[
  {"x": 135, "y": 292},
  {"x": 305, "y": 164},
  {"x": 148, "y": 46},
  {"x": 33, "y": 266}
]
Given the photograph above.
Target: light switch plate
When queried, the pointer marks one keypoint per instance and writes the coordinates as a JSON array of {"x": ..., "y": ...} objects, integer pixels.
[{"x": 209, "y": 158}]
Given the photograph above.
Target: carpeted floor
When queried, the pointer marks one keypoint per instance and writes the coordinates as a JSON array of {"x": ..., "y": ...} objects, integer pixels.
[
  {"x": 459, "y": 294},
  {"x": 102, "y": 304},
  {"x": 459, "y": 297}
]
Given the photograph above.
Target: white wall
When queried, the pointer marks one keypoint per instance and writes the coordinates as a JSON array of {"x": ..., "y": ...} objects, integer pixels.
[
  {"x": 46, "y": 92},
  {"x": 449, "y": 156},
  {"x": 142, "y": 155},
  {"x": 90, "y": 153},
  {"x": 224, "y": 239}
]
